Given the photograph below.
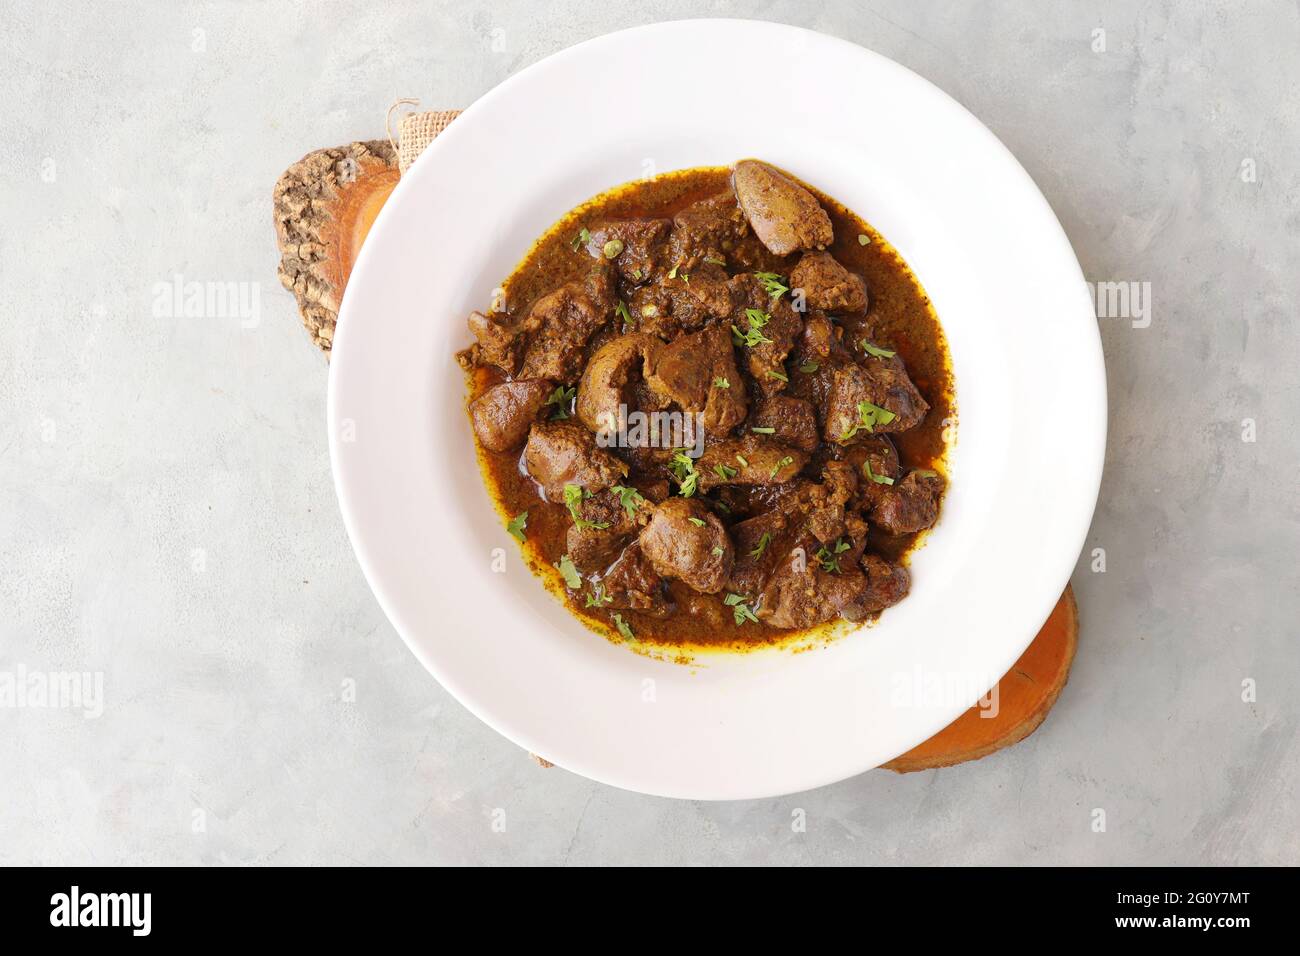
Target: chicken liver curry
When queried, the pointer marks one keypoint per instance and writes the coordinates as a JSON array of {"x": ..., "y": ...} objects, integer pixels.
[{"x": 711, "y": 407}]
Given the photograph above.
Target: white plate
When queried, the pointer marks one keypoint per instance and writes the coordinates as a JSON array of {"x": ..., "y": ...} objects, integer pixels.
[{"x": 939, "y": 186}]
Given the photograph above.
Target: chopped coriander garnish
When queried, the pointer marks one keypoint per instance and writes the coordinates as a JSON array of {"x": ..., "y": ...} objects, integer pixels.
[
  {"x": 573, "y": 498},
  {"x": 763, "y": 430},
  {"x": 877, "y": 352},
  {"x": 683, "y": 468},
  {"x": 569, "y": 571},
  {"x": 831, "y": 562},
  {"x": 721, "y": 382},
  {"x": 672, "y": 273},
  {"x": 612, "y": 248},
  {"x": 598, "y": 596},
  {"x": 772, "y": 283},
  {"x": 516, "y": 526},
  {"x": 743, "y": 462},
  {"x": 778, "y": 375},
  {"x": 698, "y": 522},
  {"x": 561, "y": 398},
  {"x": 787, "y": 460},
  {"x": 751, "y": 338},
  {"x": 809, "y": 367},
  {"x": 581, "y": 239},
  {"x": 762, "y": 545},
  {"x": 629, "y": 498},
  {"x": 717, "y": 551},
  {"x": 621, "y": 311},
  {"x": 623, "y": 627},
  {"x": 739, "y": 610},
  {"x": 876, "y": 414},
  {"x": 724, "y": 472},
  {"x": 573, "y": 495},
  {"x": 869, "y": 416},
  {"x": 754, "y": 336},
  {"x": 878, "y": 479}
]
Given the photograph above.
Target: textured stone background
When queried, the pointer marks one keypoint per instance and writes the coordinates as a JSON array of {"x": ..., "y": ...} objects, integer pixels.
[{"x": 168, "y": 516}]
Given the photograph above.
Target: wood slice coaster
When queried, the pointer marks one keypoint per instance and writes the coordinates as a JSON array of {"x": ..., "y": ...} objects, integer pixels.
[
  {"x": 324, "y": 206},
  {"x": 1025, "y": 694}
]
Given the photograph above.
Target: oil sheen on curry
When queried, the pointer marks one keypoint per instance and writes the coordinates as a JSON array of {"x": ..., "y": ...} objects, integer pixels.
[{"x": 711, "y": 408}]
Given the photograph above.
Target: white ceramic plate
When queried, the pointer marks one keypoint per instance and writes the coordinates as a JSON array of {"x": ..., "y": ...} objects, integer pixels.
[{"x": 981, "y": 238}]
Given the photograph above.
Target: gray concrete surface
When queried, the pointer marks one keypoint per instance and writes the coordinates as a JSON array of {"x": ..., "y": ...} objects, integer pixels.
[{"x": 168, "y": 519}]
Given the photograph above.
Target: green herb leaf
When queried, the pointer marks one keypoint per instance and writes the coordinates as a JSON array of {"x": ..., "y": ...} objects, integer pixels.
[
  {"x": 762, "y": 545},
  {"x": 581, "y": 239},
  {"x": 569, "y": 571},
  {"x": 724, "y": 472},
  {"x": 863, "y": 239},
  {"x": 873, "y": 415},
  {"x": 573, "y": 498},
  {"x": 772, "y": 283},
  {"x": 682, "y": 467},
  {"x": 878, "y": 479},
  {"x": 754, "y": 336},
  {"x": 698, "y": 522},
  {"x": 777, "y": 375},
  {"x": 744, "y": 463},
  {"x": 750, "y": 339},
  {"x": 869, "y": 416},
  {"x": 784, "y": 462},
  {"x": 809, "y": 367},
  {"x": 561, "y": 398},
  {"x": 830, "y": 562},
  {"x": 877, "y": 352},
  {"x": 623, "y": 627},
  {"x": 516, "y": 526},
  {"x": 740, "y": 611},
  {"x": 716, "y": 261},
  {"x": 598, "y": 596},
  {"x": 621, "y": 311},
  {"x": 629, "y": 498},
  {"x": 672, "y": 273},
  {"x": 721, "y": 382},
  {"x": 763, "y": 430}
]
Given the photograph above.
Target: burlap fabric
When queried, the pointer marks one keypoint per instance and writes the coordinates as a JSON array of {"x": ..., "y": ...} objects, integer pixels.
[{"x": 418, "y": 130}]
